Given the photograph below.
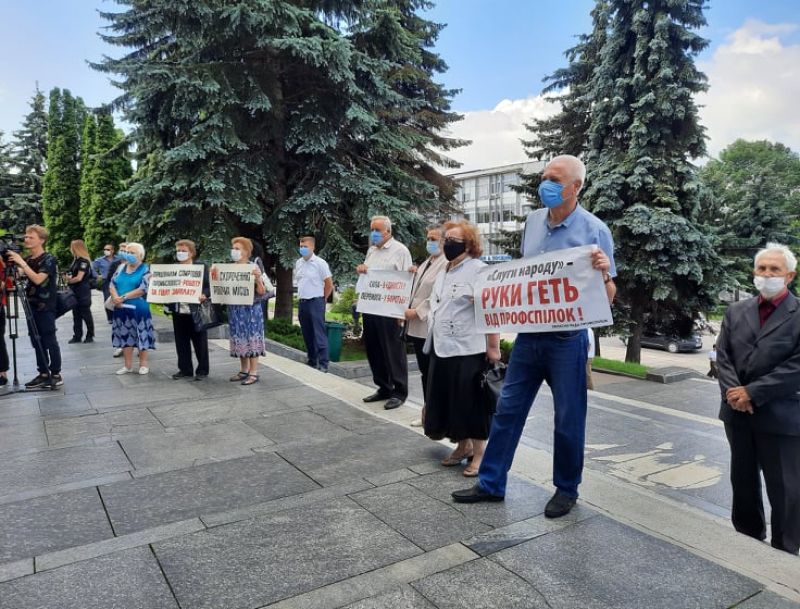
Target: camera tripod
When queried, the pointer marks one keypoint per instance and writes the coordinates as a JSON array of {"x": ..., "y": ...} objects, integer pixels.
[{"x": 15, "y": 297}]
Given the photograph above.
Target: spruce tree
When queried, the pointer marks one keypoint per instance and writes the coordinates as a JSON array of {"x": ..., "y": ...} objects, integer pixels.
[
  {"x": 260, "y": 117},
  {"x": 644, "y": 132},
  {"x": 88, "y": 153},
  {"x": 110, "y": 171},
  {"x": 61, "y": 190},
  {"x": 28, "y": 158},
  {"x": 7, "y": 182}
]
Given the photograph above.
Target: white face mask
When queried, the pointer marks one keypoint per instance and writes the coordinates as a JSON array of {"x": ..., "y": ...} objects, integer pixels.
[
  {"x": 769, "y": 286},
  {"x": 182, "y": 256},
  {"x": 236, "y": 255}
]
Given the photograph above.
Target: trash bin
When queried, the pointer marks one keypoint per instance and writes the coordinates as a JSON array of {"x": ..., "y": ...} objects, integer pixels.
[{"x": 335, "y": 331}]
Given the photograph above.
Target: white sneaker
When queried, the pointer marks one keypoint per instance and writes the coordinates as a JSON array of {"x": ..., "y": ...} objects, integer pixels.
[
  {"x": 117, "y": 352},
  {"x": 124, "y": 370},
  {"x": 416, "y": 423},
  {"x": 144, "y": 370}
]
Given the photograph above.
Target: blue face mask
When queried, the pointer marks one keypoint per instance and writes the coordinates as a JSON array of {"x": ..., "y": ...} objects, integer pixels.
[
  {"x": 550, "y": 193},
  {"x": 433, "y": 248},
  {"x": 304, "y": 251},
  {"x": 376, "y": 236},
  {"x": 129, "y": 258}
]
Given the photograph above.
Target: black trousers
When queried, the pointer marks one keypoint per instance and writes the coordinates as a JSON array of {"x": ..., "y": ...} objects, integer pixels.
[
  {"x": 778, "y": 457},
  {"x": 185, "y": 338},
  {"x": 423, "y": 362},
  {"x": 386, "y": 353},
  {"x": 82, "y": 314},
  {"x": 3, "y": 350},
  {"x": 49, "y": 356}
]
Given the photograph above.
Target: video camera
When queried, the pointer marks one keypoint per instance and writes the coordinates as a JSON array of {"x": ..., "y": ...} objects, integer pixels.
[{"x": 10, "y": 243}]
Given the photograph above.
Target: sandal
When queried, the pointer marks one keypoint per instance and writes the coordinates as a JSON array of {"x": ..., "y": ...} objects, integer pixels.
[
  {"x": 239, "y": 376},
  {"x": 250, "y": 379},
  {"x": 471, "y": 471},
  {"x": 455, "y": 460}
]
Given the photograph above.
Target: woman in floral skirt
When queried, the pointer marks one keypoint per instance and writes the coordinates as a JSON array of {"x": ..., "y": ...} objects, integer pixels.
[
  {"x": 132, "y": 323},
  {"x": 247, "y": 321}
]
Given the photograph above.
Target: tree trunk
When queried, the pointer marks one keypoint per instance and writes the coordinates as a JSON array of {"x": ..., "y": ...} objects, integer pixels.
[
  {"x": 633, "y": 354},
  {"x": 283, "y": 300},
  {"x": 596, "y": 342}
]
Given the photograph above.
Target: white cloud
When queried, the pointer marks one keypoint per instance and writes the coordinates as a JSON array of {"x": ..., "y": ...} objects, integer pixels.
[
  {"x": 496, "y": 133},
  {"x": 754, "y": 87}
]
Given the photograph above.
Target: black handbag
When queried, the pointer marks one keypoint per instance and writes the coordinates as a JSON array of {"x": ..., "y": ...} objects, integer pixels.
[
  {"x": 205, "y": 316},
  {"x": 65, "y": 302},
  {"x": 491, "y": 384}
]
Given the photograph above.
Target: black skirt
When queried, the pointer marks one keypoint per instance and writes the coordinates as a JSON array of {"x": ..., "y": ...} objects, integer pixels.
[{"x": 455, "y": 408}]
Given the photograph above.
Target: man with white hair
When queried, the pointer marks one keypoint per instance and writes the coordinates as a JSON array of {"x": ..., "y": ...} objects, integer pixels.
[
  {"x": 758, "y": 362},
  {"x": 386, "y": 349},
  {"x": 556, "y": 357}
]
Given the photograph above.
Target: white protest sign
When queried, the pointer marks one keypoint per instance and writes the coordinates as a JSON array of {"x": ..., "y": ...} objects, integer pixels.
[
  {"x": 175, "y": 283},
  {"x": 233, "y": 284},
  {"x": 557, "y": 291},
  {"x": 385, "y": 293}
]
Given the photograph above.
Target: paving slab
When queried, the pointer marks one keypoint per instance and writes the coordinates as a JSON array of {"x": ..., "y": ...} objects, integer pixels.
[
  {"x": 258, "y": 562},
  {"x": 162, "y": 498},
  {"x": 46, "y": 468},
  {"x": 385, "y": 449},
  {"x": 18, "y": 435},
  {"x": 142, "y": 395},
  {"x": 100, "y": 426},
  {"x": 216, "y": 409},
  {"x": 297, "y": 426},
  {"x": 603, "y": 563},
  {"x": 64, "y": 405},
  {"x": 427, "y": 522},
  {"x": 401, "y": 598},
  {"x": 179, "y": 447},
  {"x": 44, "y": 524},
  {"x": 767, "y": 600},
  {"x": 523, "y": 498},
  {"x": 12, "y": 407},
  {"x": 347, "y": 416},
  {"x": 130, "y": 578},
  {"x": 480, "y": 584}
]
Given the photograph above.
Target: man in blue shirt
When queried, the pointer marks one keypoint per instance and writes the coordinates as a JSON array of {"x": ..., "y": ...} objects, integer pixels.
[
  {"x": 101, "y": 267},
  {"x": 557, "y": 357}
]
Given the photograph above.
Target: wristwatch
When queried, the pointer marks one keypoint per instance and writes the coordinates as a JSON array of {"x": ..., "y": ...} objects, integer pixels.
[{"x": 607, "y": 278}]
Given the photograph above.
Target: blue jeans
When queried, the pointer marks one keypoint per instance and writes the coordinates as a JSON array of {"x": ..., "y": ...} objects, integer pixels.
[
  {"x": 311, "y": 314},
  {"x": 560, "y": 359}
]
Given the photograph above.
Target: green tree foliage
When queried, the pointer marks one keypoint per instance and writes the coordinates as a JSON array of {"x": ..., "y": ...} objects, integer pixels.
[
  {"x": 644, "y": 132},
  {"x": 61, "y": 188},
  {"x": 753, "y": 197},
  {"x": 21, "y": 205},
  {"x": 271, "y": 118},
  {"x": 88, "y": 152},
  {"x": 7, "y": 181},
  {"x": 110, "y": 170}
]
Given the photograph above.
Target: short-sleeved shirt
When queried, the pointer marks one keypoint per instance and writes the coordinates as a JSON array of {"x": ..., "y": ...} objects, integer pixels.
[
  {"x": 102, "y": 265},
  {"x": 391, "y": 256},
  {"x": 43, "y": 297},
  {"x": 311, "y": 275},
  {"x": 579, "y": 228},
  {"x": 454, "y": 330},
  {"x": 82, "y": 289}
]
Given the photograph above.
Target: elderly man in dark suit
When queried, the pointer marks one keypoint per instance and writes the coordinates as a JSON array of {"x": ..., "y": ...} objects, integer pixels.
[{"x": 758, "y": 360}]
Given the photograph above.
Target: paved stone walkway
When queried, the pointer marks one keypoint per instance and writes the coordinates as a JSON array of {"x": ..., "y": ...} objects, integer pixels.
[{"x": 144, "y": 492}]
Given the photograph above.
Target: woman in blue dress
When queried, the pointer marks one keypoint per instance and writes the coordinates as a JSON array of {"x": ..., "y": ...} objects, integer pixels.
[
  {"x": 132, "y": 324},
  {"x": 247, "y": 321}
]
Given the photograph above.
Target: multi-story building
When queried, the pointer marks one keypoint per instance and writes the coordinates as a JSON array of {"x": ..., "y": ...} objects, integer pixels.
[{"x": 488, "y": 200}]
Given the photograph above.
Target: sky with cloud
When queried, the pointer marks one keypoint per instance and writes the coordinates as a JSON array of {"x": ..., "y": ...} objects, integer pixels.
[{"x": 498, "y": 52}]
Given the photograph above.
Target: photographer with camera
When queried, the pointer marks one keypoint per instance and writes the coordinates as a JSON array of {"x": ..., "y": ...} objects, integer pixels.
[{"x": 41, "y": 271}]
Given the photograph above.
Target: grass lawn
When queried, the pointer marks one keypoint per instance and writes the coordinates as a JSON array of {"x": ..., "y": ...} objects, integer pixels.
[{"x": 602, "y": 364}]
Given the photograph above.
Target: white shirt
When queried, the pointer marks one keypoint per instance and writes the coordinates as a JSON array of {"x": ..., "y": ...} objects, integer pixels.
[
  {"x": 311, "y": 275},
  {"x": 452, "y": 316},
  {"x": 391, "y": 256}
]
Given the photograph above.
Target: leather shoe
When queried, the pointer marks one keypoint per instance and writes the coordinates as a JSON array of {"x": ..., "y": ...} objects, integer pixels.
[
  {"x": 474, "y": 495},
  {"x": 559, "y": 505},
  {"x": 375, "y": 397},
  {"x": 393, "y": 403}
]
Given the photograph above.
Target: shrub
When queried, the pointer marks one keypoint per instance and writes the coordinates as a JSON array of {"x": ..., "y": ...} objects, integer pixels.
[{"x": 345, "y": 301}]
